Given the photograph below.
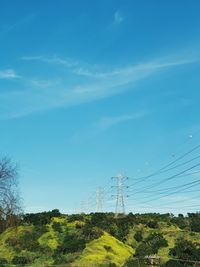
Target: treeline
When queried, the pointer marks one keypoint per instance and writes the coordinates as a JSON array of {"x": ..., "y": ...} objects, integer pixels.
[{"x": 108, "y": 222}]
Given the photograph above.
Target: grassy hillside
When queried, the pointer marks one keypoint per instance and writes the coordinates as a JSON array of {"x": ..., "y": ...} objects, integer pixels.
[
  {"x": 104, "y": 250},
  {"x": 95, "y": 240}
]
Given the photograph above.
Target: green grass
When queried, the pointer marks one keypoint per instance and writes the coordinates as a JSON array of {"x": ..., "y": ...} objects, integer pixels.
[{"x": 104, "y": 250}]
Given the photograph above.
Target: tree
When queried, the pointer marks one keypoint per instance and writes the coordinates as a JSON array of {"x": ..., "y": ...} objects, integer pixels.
[
  {"x": 194, "y": 221},
  {"x": 138, "y": 236},
  {"x": 20, "y": 260},
  {"x": 9, "y": 197},
  {"x": 70, "y": 244},
  {"x": 151, "y": 245},
  {"x": 185, "y": 250}
]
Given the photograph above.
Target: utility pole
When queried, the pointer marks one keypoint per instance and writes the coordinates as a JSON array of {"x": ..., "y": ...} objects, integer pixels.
[
  {"x": 99, "y": 193},
  {"x": 120, "y": 186}
]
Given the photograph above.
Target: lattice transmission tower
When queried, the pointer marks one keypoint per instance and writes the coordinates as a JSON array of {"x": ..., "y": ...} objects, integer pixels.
[{"x": 120, "y": 194}]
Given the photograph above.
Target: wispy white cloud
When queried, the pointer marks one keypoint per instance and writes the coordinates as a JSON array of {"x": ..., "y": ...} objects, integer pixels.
[
  {"x": 107, "y": 122},
  {"x": 67, "y": 62},
  {"x": 118, "y": 18},
  {"x": 8, "y": 74},
  {"x": 43, "y": 83},
  {"x": 6, "y": 28},
  {"x": 96, "y": 85},
  {"x": 94, "y": 71}
]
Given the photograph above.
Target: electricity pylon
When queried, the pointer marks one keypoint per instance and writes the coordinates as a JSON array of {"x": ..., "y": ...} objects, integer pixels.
[
  {"x": 120, "y": 186},
  {"x": 99, "y": 193}
]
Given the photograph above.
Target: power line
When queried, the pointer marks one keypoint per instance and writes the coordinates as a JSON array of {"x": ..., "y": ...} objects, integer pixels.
[
  {"x": 164, "y": 191},
  {"x": 169, "y": 194},
  {"x": 164, "y": 168},
  {"x": 167, "y": 179}
]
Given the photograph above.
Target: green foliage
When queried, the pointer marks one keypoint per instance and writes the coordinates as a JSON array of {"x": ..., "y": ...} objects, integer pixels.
[
  {"x": 65, "y": 258},
  {"x": 131, "y": 262},
  {"x": 28, "y": 240},
  {"x": 181, "y": 221},
  {"x": 41, "y": 218},
  {"x": 20, "y": 260},
  {"x": 90, "y": 232},
  {"x": 76, "y": 217},
  {"x": 194, "y": 221},
  {"x": 100, "y": 239},
  {"x": 119, "y": 227},
  {"x": 57, "y": 227},
  {"x": 112, "y": 264},
  {"x": 156, "y": 240},
  {"x": 3, "y": 262},
  {"x": 99, "y": 253},
  {"x": 108, "y": 248},
  {"x": 144, "y": 250},
  {"x": 138, "y": 236},
  {"x": 172, "y": 263},
  {"x": 152, "y": 224},
  {"x": 186, "y": 250},
  {"x": 151, "y": 245},
  {"x": 71, "y": 243}
]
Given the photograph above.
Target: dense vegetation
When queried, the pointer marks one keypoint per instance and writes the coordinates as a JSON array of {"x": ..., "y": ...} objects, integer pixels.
[{"x": 100, "y": 239}]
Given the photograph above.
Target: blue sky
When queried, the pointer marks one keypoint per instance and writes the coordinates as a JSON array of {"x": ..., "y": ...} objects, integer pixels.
[{"x": 92, "y": 88}]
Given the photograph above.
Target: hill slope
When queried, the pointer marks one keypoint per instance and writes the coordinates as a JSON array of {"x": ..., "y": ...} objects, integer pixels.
[{"x": 104, "y": 250}]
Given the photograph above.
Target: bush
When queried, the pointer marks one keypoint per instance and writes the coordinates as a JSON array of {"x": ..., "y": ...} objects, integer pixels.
[
  {"x": 70, "y": 244},
  {"x": 138, "y": 236},
  {"x": 157, "y": 241},
  {"x": 144, "y": 250},
  {"x": 13, "y": 241},
  {"x": 66, "y": 259},
  {"x": 152, "y": 224},
  {"x": 186, "y": 250},
  {"x": 108, "y": 248},
  {"x": 90, "y": 232},
  {"x": 151, "y": 245},
  {"x": 180, "y": 221},
  {"x": 3, "y": 262},
  {"x": 172, "y": 263},
  {"x": 20, "y": 260},
  {"x": 194, "y": 221},
  {"x": 27, "y": 241},
  {"x": 57, "y": 227},
  {"x": 41, "y": 218}
]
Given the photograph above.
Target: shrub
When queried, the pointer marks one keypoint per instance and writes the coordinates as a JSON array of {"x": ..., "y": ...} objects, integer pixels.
[
  {"x": 172, "y": 263},
  {"x": 138, "y": 236},
  {"x": 152, "y": 224},
  {"x": 20, "y": 260},
  {"x": 27, "y": 241},
  {"x": 66, "y": 259},
  {"x": 144, "y": 250},
  {"x": 70, "y": 244},
  {"x": 3, "y": 262},
  {"x": 186, "y": 250},
  {"x": 90, "y": 233},
  {"x": 108, "y": 248},
  {"x": 151, "y": 245},
  {"x": 57, "y": 227}
]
